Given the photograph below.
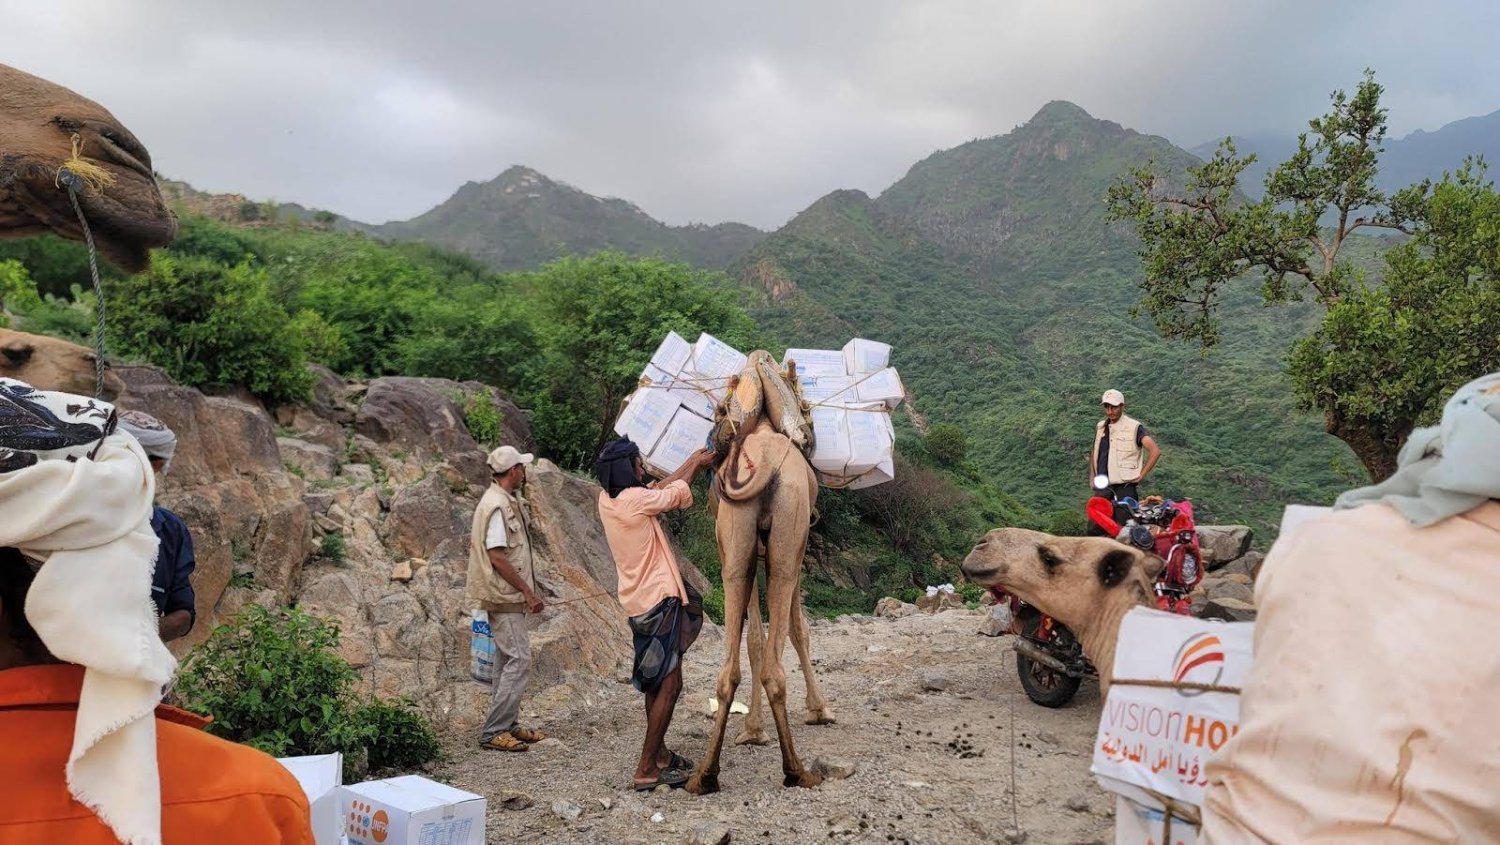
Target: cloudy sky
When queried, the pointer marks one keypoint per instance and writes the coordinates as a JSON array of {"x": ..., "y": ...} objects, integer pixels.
[{"x": 703, "y": 110}]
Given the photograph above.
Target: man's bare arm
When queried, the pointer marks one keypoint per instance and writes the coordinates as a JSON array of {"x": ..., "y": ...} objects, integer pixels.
[{"x": 1153, "y": 454}]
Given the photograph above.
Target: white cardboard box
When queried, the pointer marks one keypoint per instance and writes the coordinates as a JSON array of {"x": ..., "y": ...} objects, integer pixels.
[
  {"x": 1138, "y": 825},
  {"x": 883, "y": 386},
  {"x": 411, "y": 810},
  {"x": 853, "y": 441},
  {"x": 837, "y": 390},
  {"x": 816, "y": 362},
  {"x": 681, "y": 389},
  {"x": 714, "y": 361},
  {"x": 320, "y": 775},
  {"x": 1161, "y": 738},
  {"x": 673, "y": 355},
  {"x": 866, "y": 356},
  {"x": 646, "y": 416},
  {"x": 686, "y": 434}
]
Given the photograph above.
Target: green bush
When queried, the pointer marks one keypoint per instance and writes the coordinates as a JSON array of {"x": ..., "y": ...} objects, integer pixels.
[
  {"x": 401, "y": 737},
  {"x": 333, "y": 547},
  {"x": 483, "y": 419},
  {"x": 210, "y": 324},
  {"x": 273, "y": 680}
]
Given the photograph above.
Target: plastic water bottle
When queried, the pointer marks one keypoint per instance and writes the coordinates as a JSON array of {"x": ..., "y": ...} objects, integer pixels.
[{"x": 481, "y": 649}]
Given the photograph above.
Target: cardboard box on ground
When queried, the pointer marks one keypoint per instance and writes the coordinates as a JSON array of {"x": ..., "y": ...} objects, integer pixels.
[
  {"x": 411, "y": 810},
  {"x": 852, "y": 392}
]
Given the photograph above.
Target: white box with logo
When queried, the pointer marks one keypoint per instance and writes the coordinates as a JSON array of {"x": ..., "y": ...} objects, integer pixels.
[
  {"x": 320, "y": 776},
  {"x": 686, "y": 434},
  {"x": 411, "y": 810},
  {"x": 1161, "y": 738},
  {"x": 712, "y": 365}
]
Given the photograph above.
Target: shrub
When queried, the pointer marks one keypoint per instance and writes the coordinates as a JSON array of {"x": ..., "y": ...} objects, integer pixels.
[
  {"x": 401, "y": 737},
  {"x": 271, "y": 679},
  {"x": 483, "y": 419},
  {"x": 209, "y": 324},
  {"x": 333, "y": 547}
]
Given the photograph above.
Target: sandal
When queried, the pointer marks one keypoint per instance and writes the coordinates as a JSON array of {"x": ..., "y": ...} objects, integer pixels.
[
  {"x": 672, "y": 777},
  {"x": 503, "y": 742},
  {"x": 527, "y": 734},
  {"x": 679, "y": 762}
]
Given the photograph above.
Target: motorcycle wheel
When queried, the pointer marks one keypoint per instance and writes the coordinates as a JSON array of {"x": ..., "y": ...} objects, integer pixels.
[{"x": 1044, "y": 686}]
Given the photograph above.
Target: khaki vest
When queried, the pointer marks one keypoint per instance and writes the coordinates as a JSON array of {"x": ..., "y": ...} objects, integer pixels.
[
  {"x": 485, "y": 588},
  {"x": 1124, "y": 455}
]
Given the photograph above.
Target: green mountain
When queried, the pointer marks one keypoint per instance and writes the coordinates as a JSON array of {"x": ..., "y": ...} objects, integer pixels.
[
  {"x": 521, "y": 219},
  {"x": 1406, "y": 160},
  {"x": 991, "y": 269}
]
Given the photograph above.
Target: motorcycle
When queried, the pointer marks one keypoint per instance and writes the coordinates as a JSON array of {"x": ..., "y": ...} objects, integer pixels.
[{"x": 1049, "y": 659}]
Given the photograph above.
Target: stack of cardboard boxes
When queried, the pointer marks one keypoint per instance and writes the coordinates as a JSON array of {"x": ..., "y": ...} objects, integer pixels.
[{"x": 851, "y": 393}]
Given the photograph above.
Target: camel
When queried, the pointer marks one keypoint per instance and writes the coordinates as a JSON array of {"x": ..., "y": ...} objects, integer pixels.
[
  {"x": 1434, "y": 786},
  {"x": 39, "y": 122},
  {"x": 766, "y": 515},
  {"x": 51, "y": 364}
]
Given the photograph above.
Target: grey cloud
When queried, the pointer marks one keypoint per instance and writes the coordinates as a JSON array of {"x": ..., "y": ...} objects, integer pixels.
[{"x": 705, "y": 111}]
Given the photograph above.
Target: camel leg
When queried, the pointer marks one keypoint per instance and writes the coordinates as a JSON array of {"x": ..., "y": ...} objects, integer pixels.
[
  {"x": 737, "y": 554},
  {"x": 754, "y": 730},
  {"x": 783, "y": 556},
  {"x": 817, "y": 708}
]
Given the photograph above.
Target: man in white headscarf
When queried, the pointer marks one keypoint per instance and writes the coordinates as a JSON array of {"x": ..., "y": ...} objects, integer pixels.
[
  {"x": 172, "y": 585},
  {"x": 89, "y": 755}
]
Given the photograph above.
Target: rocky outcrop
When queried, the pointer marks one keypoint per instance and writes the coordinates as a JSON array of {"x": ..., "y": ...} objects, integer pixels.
[
  {"x": 357, "y": 506},
  {"x": 1222, "y": 544},
  {"x": 1227, "y": 591}
]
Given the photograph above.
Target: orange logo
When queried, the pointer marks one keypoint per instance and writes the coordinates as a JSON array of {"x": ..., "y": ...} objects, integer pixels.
[
  {"x": 1199, "y": 654},
  {"x": 380, "y": 826}
]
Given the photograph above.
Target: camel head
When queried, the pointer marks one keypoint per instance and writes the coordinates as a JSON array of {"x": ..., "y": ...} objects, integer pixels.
[
  {"x": 1086, "y": 583},
  {"x": 37, "y": 123},
  {"x": 47, "y": 363}
]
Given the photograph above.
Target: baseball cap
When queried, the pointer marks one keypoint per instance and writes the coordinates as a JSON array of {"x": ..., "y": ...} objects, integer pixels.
[
  {"x": 1113, "y": 397},
  {"x": 502, "y": 459}
]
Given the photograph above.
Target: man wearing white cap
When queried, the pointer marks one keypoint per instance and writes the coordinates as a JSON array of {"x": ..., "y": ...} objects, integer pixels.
[
  {"x": 502, "y": 582},
  {"x": 1119, "y": 441}
]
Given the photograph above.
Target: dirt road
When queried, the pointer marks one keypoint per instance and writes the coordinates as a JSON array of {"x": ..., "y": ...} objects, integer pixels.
[{"x": 970, "y": 761}]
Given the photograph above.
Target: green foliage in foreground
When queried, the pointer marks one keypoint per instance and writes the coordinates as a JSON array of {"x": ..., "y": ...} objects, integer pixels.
[{"x": 272, "y": 679}]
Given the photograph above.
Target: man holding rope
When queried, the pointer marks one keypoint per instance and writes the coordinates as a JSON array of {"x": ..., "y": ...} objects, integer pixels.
[{"x": 502, "y": 582}]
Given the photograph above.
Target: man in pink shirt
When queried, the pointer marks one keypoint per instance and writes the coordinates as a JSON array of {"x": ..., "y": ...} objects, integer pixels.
[{"x": 665, "y": 615}]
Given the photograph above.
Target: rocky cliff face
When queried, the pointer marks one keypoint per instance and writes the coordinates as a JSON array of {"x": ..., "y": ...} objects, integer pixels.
[{"x": 357, "y": 506}]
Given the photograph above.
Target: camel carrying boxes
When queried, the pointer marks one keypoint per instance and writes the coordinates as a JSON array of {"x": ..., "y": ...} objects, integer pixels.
[
  {"x": 1174, "y": 701},
  {"x": 848, "y": 393}
]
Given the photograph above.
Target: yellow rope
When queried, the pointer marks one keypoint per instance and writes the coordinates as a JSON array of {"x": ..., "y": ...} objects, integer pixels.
[{"x": 93, "y": 177}]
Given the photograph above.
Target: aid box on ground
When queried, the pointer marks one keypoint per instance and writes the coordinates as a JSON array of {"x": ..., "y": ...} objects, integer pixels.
[
  {"x": 411, "y": 810},
  {"x": 320, "y": 776}
]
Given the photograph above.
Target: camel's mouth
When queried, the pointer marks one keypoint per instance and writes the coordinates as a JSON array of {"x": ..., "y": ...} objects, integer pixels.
[{"x": 127, "y": 218}]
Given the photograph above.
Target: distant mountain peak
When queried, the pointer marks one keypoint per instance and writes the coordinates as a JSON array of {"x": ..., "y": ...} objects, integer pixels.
[{"x": 1059, "y": 111}]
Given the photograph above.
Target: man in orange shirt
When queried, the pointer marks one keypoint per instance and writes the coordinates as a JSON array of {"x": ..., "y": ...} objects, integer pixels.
[
  {"x": 91, "y": 757},
  {"x": 665, "y": 616}
]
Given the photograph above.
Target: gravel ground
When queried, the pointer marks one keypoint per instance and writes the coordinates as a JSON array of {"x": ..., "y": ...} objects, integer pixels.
[{"x": 943, "y": 744}]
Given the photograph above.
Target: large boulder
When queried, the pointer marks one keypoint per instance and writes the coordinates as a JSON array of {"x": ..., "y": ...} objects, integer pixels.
[
  {"x": 1223, "y": 543},
  {"x": 228, "y": 483},
  {"x": 425, "y": 417}
]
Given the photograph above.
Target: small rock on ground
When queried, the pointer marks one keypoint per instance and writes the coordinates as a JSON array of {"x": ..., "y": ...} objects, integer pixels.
[
  {"x": 935, "y": 681},
  {"x": 516, "y": 801},
  {"x": 711, "y": 833},
  {"x": 834, "y": 768},
  {"x": 1078, "y": 804},
  {"x": 566, "y": 809}
]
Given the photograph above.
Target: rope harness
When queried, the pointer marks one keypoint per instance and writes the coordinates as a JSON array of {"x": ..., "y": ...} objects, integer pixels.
[{"x": 78, "y": 176}]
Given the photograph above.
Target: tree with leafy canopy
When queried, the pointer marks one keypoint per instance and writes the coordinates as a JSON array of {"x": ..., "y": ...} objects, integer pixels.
[
  {"x": 600, "y": 318},
  {"x": 1387, "y": 351}
]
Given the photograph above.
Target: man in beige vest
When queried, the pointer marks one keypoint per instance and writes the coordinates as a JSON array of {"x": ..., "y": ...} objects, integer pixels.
[
  {"x": 502, "y": 582},
  {"x": 1123, "y": 450}
]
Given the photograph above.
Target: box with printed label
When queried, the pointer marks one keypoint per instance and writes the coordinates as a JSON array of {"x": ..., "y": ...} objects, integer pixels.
[
  {"x": 816, "y": 362},
  {"x": 686, "y": 434},
  {"x": 673, "y": 355},
  {"x": 712, "y": 365},
  {"x": 1161, "y": 737},
  {"x": 320, "y": 775},
  {"x": 851, "y": 442},
  {"x": 682, "y": 389},
  {"x": 647, "y": 414},
  {"x": 1138, "y": 825},
  {"x": 883, "y": 386},
  {"x": 411, "y": 810}
]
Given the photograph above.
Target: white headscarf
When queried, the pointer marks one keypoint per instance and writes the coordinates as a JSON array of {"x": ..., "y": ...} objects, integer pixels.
[
  {"x": 78, "y": 497},
  {"x": 1450, "y": 468},
  {"x": 152, "y": 434}
]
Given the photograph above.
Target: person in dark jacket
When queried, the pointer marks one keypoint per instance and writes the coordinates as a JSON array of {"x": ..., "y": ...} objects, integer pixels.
[{"x": 171, "y": 585}]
